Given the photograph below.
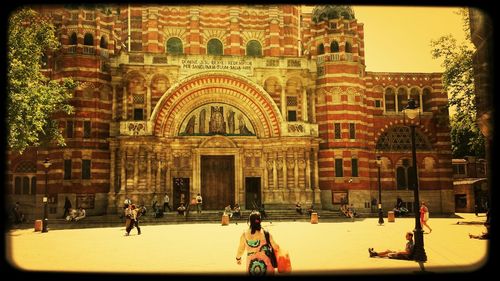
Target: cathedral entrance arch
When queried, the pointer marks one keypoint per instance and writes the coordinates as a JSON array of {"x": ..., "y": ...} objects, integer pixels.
[{"x": 217, "y": 181}]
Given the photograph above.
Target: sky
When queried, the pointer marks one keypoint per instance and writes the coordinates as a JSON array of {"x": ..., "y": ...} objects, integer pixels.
[{"x": 397, "y": 39}]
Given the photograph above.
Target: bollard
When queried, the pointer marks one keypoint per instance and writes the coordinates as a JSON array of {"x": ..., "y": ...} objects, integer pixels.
[
  {"x": 225, "y": 219},
  {"x": 390, "y": 216},
  {"x": 314, "y": 218},
  {"x": 38, "y": 225}
]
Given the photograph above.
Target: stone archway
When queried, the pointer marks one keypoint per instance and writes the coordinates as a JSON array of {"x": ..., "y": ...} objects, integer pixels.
[{"x": 202, "y": 89}]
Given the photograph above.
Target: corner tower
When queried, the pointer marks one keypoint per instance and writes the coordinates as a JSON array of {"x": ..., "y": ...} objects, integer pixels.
[{"x": 337, "y": 46}]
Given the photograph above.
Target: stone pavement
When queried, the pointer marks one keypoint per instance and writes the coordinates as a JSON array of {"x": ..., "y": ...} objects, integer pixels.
[{"x": 325, "y": 248}]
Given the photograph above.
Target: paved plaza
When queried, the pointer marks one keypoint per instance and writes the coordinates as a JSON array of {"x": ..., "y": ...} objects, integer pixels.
[{"x": 324, "y": 248}]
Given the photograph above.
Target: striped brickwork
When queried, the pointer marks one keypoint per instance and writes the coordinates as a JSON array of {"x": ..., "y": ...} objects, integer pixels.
[{"x": 134, "y": 97}]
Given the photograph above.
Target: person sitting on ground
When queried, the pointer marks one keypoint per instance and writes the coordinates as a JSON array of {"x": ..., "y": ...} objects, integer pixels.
[
  {"x": 345, "y": 211},
  {"x": 298, "y": 208},
  {"x": 181, "y": 210},
  {"x": 73, "y": 213},
  {"x": 311, "y": 210},
  {"x": 484, "y": 235},
  {"x": 352, "y": 212},
  {"x": 237, "y": 211},
  {"x": 81, "y": 214},
  {"x": 228, "y": 211},
  {"x": 406, "y": 254}
]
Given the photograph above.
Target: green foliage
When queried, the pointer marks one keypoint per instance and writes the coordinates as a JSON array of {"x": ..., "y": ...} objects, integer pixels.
[
  {"x": 32, "y": 98},
  {"x": 466, "y": 139},
  {"x": 458, "y": 81}
]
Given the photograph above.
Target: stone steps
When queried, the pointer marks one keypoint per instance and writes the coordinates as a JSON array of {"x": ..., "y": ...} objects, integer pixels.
[{"x": 192, "y": 217}]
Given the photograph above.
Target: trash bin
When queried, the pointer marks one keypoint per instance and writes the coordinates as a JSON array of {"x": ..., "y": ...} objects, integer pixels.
[
  {"x": 38, "y": 225},
  {"x": 225, "y": 219},
  {"x": 390, "y": 216},
  {"x": 314, "y": 218}
]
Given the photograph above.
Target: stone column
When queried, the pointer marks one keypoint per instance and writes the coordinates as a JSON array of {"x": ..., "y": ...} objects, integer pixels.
[
  {"x": 124, "y": 103},
  {"x": 150, "y": 187},
  {"x": 158, "y": 173},
  {"x": 308, "y": 170},
  {"x": 304, "y": 104},
  {"x": 317, "y": 198},
  {"x": 296, "y": 170},
  {"x": 285, "y": 171},
  {"x": 284, "y": 113},
  {"x": 113, "y": 104},
  {"x": 136, "y": 167},
  {"x": 275, "y": 175},
  {"x": 148, "y": 101},
  {"x": 313, "y": 107},
  {"x": 123, "y": 172}
]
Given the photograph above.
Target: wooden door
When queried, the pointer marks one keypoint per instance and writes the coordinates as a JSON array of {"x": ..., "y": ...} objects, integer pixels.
[{"x": 217, "y": 181}]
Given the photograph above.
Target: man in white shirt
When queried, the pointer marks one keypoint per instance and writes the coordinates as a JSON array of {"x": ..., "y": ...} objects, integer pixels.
[
  {"x": 199, "y": 201},
  {"x": 166, "y": 201}
]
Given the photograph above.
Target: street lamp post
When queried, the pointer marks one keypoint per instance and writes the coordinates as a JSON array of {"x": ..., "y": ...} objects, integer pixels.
[
  {"x": 411, "y": 112},
  {"x": 45, "y": 221},
  {"x": 380, "y": 213}
]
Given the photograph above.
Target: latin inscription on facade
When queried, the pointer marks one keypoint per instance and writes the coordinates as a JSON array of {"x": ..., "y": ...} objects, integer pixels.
[{"x": 243, "y": 67}]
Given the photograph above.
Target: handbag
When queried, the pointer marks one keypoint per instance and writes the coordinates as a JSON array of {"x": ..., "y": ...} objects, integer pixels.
[
  {"x": 284, "y": 263},
  {"x": 271, "y": 254}
]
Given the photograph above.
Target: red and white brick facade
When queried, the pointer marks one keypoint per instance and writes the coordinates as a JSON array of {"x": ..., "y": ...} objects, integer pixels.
[{"x": 149, "y": 109}]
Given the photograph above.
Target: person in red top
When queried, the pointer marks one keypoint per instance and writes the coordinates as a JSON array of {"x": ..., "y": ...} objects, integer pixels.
[{"x": 424, "y": 216}]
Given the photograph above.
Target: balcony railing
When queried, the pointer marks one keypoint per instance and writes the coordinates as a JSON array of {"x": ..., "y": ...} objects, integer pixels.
[{"x": 89, "y": 50}]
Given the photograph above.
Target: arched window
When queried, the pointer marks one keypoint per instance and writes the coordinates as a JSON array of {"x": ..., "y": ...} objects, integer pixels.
[
  {"x": 88, "y": 39},
  {"x": 415, "y": 95},
  {"x": 405, "y": 175},
  {"x": 214, "y": 47},
  {"x": 389, "y": 100},
  {"x": 402, "y": 98},
  {"x": 33, "y": 185},
  {"x": 73, "y": 40},
  {"x": 426, "y": 100},
  {"x": 321, "y": 49},
  {"x": 348, "y": 47},
  {"x": 334, "y": 47},
  {"x": 254, "y": 48},
  {"x": 104, "y": 42},
  {"x": 24, "y": 178},
  {"x": 174, "y": 46},
  {"x": 399, "y": 139}
]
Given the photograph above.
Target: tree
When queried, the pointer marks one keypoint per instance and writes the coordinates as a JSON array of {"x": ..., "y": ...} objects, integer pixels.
[
  {"x": 458, "y": 81},
  {"x": 32, "y": 98}
]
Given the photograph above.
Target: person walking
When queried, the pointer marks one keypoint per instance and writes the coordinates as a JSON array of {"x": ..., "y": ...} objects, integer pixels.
[
  {"x": 166, "y": 203},
  {"x": 67, "y": 207},
  {"x": 254, "y": 242},
  {"x": 424, "y": 216},
  {"x": 137, "y": 213},
  {"x": 199, "y": 201}
]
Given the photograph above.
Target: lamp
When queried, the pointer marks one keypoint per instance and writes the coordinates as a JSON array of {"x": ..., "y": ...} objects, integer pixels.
[
  {"x": 380, "y": 213},
  {"x": 46, "y": 164},
  {"x": 411, "y": 112}
]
